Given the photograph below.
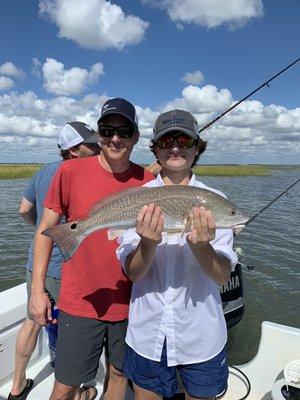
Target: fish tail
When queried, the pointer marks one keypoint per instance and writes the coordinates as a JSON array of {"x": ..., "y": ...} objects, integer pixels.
[{"x": 67, "y": 237}]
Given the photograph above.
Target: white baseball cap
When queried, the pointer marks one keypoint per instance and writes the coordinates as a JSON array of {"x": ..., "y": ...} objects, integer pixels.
[{"x": 74, "y": 133}]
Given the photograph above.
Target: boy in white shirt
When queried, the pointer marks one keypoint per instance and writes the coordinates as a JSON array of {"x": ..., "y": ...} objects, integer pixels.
[{"x": 176, "y": 320}]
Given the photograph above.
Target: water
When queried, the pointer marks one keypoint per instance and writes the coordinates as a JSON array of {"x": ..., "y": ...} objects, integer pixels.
[
  {"x": 15, "y": 234},
  {"x": 271, "y": 245}
]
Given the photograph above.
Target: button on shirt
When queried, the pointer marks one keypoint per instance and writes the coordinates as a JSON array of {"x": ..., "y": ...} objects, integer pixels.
[{"x": 176, "y": 300}]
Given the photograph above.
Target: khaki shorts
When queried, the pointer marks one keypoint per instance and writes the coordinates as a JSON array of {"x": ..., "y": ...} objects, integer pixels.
[{"x": 52, "y": 285}]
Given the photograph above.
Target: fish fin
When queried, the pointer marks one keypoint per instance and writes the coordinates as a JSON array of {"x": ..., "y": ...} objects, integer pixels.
[
  {"x": 67, "y": 238},
  {"x": 187, "y": 226},
  {"x": 113, "y": 233},
  {"x": 115, "y": 196}
]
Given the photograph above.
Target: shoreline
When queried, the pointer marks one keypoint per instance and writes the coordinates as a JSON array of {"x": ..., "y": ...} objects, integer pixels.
[
  {"x": 22, "y": 170},
  {"x": 18, "y": 171}
]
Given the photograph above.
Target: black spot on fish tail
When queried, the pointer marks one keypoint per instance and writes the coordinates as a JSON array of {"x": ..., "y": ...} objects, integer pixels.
[{"x": 67, "y": 238}]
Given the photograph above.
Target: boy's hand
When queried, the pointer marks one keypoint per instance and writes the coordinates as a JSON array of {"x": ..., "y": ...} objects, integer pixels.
[
  {"x": 149, "y": 224},
  {"x": 203, "y": 227}
]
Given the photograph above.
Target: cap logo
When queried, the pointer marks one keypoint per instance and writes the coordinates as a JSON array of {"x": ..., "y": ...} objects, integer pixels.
[
  {"x": 88, "y": 127},
  {"x": 173, "y": 120},
  {"x": 107, "y": 107}
]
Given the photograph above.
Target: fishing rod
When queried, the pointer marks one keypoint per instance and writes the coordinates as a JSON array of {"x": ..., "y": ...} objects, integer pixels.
[
  {"x": 248, "y": 95},
  {"x": 240, "y": 252},
  {"x": 271, "y": 202}
]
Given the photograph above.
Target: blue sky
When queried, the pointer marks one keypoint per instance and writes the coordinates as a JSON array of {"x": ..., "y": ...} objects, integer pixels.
[{"x": 61, "y": 59}]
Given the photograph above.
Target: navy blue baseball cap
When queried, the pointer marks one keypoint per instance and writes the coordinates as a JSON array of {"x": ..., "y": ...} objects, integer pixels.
[{"x": 119, "y": 106}]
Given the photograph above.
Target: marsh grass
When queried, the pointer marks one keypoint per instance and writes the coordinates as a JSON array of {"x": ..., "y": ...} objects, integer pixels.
[
  {"x": 232, "y": 170},
  {"x": 15, "y": 171}
]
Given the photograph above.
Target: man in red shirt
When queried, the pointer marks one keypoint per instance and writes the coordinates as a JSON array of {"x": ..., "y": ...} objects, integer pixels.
[{"x": 95, "y": 293}]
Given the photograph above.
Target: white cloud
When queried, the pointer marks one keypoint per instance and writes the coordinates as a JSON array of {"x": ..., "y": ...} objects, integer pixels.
[
  {"x": 211, "y": 13},
  {"x": 204, "y": 100},
  {"x": 9, "y": 69},
  {"x": 96, "y": 24},
  {"x": 193, "y": 78},
  {"x": 26, "y": 115},
  {"x": 32, "y": 124},
  {"x": 36, "y": 67},
  {"x": 250, "y": 133},
  {"x": 6, "y": 83},
  {"x": 59, "y": 81}
]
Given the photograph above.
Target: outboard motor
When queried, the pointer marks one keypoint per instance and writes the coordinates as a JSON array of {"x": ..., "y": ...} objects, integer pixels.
[{"x": 232, "y": 297}]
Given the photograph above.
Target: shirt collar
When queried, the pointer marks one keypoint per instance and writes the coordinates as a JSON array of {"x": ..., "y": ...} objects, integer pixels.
[{"x": 160, "y": 181}]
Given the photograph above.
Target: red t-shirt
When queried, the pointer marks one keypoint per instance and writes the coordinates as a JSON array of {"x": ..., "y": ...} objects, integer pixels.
[{"x": 93, "y": 284}]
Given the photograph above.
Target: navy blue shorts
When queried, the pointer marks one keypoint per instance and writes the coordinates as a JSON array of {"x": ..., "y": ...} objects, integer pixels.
[{"x": 204, "y": 379}]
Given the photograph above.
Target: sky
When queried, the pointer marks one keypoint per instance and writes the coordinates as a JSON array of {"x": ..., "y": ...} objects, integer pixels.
[{"x": 60, "y": 60}]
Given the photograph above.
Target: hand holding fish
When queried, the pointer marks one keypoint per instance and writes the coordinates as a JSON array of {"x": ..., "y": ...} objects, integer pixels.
[
  {"x": 203, "y": 227},
  {"x": 216, "y": 266},
  {"x": 149, "y": 223}
]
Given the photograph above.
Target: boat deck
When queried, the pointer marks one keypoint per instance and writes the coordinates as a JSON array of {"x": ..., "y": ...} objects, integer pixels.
[
  {"x": 279, "y": 344},
  {"x": 43, "y": 375}
]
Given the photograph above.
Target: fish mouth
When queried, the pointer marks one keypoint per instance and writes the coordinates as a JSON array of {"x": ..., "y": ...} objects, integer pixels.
[
  {"x": 242, "y": 220},
  {"x": 238, "y": 228}
]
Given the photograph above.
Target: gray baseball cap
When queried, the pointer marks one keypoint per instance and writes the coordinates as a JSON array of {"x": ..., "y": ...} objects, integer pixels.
[{"x": 175, "y": 120}]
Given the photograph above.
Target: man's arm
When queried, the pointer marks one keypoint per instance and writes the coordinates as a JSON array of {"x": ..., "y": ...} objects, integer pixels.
[
  {"x": 216, "y": 266},
  {"x": 40, "y": 306},
  {"x": 149, "y": 226},
  {"x": 28, "y": 211}
]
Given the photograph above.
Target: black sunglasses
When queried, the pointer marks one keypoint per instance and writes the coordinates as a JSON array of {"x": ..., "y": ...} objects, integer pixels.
[
  {"x": 124, "y": 132},
  {"x": 183, "y": 141}
]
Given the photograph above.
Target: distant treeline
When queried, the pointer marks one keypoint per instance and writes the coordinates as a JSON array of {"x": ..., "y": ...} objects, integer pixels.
[{"x": 15, "y": 171}]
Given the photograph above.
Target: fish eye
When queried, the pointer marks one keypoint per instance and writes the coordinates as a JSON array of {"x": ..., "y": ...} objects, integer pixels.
[
  {"x": 232, "y": 212},
  {"x": 73, "y": 226}
]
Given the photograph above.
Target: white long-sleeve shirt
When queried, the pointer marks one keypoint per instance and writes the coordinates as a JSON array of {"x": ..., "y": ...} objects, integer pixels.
[{"x": 176, "y": 300}]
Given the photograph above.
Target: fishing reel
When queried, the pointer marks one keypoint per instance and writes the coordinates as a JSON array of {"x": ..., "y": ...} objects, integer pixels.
[{"x": 241, "y": 257}]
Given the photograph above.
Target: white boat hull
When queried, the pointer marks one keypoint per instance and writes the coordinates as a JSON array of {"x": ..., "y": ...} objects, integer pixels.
[{"x": 279, "y": 345}]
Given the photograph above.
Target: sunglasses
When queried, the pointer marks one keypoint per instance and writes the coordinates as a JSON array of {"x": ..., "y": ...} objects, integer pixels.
[
  {"x": 183, "y": 141},
  {"x": 124, "y": 132}
]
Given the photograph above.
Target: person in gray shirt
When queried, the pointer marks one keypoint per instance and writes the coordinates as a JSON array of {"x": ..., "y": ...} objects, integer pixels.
[{"x": 76, "y": 140}]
